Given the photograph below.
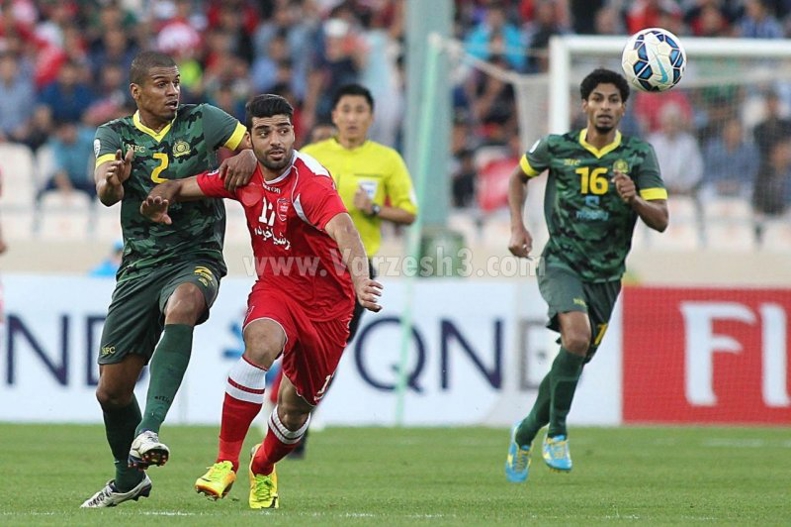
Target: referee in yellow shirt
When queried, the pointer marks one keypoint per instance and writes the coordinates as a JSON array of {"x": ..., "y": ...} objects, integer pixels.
[{"x": 371, "y": 178}]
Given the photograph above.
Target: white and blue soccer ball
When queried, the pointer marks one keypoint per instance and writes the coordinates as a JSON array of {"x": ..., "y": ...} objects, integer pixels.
[{"x": 653, "y": 60}]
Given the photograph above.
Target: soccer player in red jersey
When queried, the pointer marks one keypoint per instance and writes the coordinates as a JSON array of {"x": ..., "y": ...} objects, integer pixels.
[{"x": 310, "y": 264}]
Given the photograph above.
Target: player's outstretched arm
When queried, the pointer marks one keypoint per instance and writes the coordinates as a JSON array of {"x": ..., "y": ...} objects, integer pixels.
[
  {"x": 110, "y": 177},
  {"x": 155, "y": 206},
  {"x": 342, "y": 230},
  {"x": 521, "y": 242}
]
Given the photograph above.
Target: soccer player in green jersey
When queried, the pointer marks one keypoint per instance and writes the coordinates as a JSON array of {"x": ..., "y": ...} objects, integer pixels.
[
  {"x": 169, "y": 275},
  {"x": 599, "y": 183}
]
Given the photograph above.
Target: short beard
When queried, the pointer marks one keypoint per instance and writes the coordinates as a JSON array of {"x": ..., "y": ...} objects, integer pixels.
[
  {"x": 276, "y": 167},
  {"x": 603, "y": 129}
]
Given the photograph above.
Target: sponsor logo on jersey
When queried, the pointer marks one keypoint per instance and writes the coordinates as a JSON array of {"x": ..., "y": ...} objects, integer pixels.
[
  {"x": 579, "y": 302},
  {"x": 592, "y": 215},
  {"x": 106, "y": 351},
  {"x": 97, "y": 146},
  {"x": 181, "y": 148},
  {"x": 571, "y": 162},
  {"x": 276, "y": 190},
  {"x": 137, "y": 149}
]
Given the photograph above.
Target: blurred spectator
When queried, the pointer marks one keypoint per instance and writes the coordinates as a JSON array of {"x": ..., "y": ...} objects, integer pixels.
[
  {"x": 68, "y": 97},
  {"x": 731, "y": 163},
  {"x": 114, "y": 47},
  {"x": 382, "y": 29},
  {"x": 39, "y": 127},
  {"x": 678, "y": 153},
  {"x": 108, "y": 267},
  {"x": 112, "y": 98},
  {"x": 463, "y": 179},
  {"x": 759, "y": 21},
  {"x": 582, "y": 21},
  {"x": 773, "y": 128},
  {"x": 72, "y": 148},
  {"x": 648, "y": 108},
  {"x": 231, "y": 21},
  {"x": 545, "y": 24},
  {"x": 711, "y": 18},
  {"x": 16, "y": 99},
  {"x": 495, "y": 35},
  {"x": 321, "y": 130},
  {"x": 296, "y": 22},
  {"x": 339, "y": 62},
  {"x": 772, "y": 193},
  {"x": 264, "y": 71},
  {"x": 643, "y": 14}
]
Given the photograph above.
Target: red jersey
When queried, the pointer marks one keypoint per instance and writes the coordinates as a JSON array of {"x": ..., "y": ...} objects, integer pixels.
[{"x": 293, "y": 253}]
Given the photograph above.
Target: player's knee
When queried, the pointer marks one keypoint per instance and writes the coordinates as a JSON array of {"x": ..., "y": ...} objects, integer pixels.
[
  {"x": 263, "y": 347},
  {"x": 111, "y": 397},
  {"x": 576, "y": 342},
  {"x": 292, "y": 414},
  {"x": 185, "y": 305}
]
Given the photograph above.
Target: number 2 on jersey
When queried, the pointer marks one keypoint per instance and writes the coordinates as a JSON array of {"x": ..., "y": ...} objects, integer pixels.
[
  {"x": 163, "y": 164},
  {"x": 593, "y": 181}
]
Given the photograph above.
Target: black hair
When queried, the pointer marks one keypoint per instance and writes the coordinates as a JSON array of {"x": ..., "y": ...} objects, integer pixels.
[
  {"x": 266, "y": 105},
  {"x": 604, "y": 76},
  {"x": 353, "y": 89},
  {"x": 145, "y": 61}
]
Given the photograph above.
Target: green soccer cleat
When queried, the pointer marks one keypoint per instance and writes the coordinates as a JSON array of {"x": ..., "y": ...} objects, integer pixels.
[
  {"x": 217, "y": 482},
  {"x": 556, "y": 453},
  {"x": 263, "y": 489},
  {"x": 517, "y": 463},
  {"x": 110, "y": 497}
]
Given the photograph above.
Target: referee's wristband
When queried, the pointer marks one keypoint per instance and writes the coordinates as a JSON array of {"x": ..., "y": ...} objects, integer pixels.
[{"x": 375, "y": 210}]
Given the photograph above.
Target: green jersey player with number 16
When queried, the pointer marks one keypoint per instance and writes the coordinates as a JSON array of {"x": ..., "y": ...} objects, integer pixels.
[
  {"x": 599, "y": 183},
  {"x": 169, "y": 275}
]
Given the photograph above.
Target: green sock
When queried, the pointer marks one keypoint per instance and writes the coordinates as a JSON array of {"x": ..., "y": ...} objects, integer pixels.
[
  {"x": 565, "y": 373},
  {"x": 167, "y": 369},
  {"x": 538, "y": 416},
  {"x": 119, "y": 425}
]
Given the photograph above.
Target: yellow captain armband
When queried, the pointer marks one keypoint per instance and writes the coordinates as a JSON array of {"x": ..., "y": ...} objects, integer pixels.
[{"x": 104, "y": 159}]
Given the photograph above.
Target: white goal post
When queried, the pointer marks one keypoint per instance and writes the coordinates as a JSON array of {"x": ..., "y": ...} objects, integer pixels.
[{"x": 563, "y": 49}]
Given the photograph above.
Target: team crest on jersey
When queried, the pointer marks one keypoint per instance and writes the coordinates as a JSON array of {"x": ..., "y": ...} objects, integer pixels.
[
  {"x": 283, "y": 204},
  {"x": 181, "y": 148},
  {"x": 621, "y": 166}
]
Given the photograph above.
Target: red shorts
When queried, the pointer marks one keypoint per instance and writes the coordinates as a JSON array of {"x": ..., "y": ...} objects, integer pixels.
[{"x": 313, "y": 348}]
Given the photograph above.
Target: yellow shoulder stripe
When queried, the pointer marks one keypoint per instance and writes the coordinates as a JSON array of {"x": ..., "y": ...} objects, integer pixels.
[
  {"x": 649, "y": 194},
  {"x": 524, "y": 164},
  {"x": 104, "y": 159},
  {"x": 236, "y": 137}
]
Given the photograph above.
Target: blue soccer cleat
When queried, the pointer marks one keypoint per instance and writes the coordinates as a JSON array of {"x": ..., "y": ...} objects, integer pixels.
[
  {"x": 517, "y": 463},
  {"x": 556, "y": 453}
]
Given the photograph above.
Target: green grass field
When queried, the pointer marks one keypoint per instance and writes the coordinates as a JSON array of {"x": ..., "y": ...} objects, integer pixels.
[{"x": 407, "y": 476}]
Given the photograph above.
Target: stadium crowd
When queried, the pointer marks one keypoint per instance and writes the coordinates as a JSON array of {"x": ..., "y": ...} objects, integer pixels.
[{"x": 64, "y": 64}]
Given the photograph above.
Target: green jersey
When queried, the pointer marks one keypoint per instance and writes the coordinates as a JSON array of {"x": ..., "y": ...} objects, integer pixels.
[
  {"x": 590, "y": 226},
  {"x": 185, "y": 147}
]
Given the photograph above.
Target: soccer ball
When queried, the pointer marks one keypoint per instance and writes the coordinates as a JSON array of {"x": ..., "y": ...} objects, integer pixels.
[{"x": 653, "y": 60}]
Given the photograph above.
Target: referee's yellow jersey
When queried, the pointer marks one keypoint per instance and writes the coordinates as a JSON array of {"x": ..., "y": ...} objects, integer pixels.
[{"x": 378, "y": 169}]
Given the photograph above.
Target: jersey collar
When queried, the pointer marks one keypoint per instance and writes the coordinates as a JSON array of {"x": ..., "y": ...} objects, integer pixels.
[
  {"x": 146, "y": 130},
  {"x": 599, "y": 153}
]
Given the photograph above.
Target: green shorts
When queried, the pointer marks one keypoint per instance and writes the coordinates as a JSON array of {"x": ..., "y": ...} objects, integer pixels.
[
  {"x": 564, "y": 291},
  {"x": 136, "y": 317}
]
